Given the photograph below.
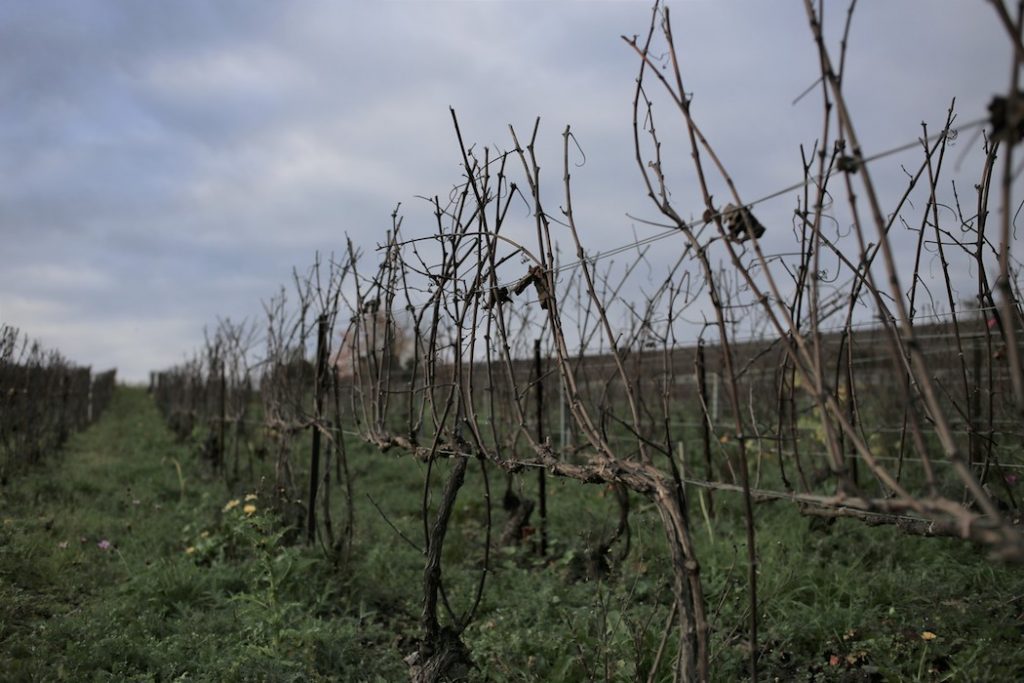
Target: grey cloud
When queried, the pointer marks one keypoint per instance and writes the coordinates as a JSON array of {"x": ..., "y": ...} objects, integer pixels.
[{"x": 166, "y": 163}]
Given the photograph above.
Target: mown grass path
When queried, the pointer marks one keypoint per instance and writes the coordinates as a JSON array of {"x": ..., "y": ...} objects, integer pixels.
[
  {"x": 76, "y": 532},
  {"x": 100, "y": 579}
]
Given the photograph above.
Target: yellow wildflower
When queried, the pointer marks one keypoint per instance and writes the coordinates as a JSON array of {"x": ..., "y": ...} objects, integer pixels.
[
  {"x": 251, "y": 496},
  {"x": 249, "y": 509},
  {"x": 189, "y": 550},
  {"x": 928, "y": 635},
  {"x": 232, "y": 504},
  {"x": 205, "y": 534}
]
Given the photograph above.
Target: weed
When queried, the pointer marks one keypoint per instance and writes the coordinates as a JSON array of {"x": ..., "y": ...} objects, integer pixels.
[{"x": 202, "y": 582}]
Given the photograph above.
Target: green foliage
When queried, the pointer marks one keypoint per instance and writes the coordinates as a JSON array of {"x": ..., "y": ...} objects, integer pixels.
[
  {"x": 128, "y": 561},
  {"x": 852, "y": 602}
]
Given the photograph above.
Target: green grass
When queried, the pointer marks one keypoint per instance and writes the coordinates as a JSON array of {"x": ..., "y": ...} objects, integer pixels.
[
  {"x": 240, "y": 606},
  {"x": 190, "y": 591}
]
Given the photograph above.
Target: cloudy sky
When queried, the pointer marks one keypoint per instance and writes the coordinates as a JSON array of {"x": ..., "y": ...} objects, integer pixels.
[{"x": 166, "y": 163}]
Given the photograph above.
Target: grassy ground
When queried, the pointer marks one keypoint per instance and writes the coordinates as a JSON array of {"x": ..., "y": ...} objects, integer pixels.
[{"x": 123, "y": 560}]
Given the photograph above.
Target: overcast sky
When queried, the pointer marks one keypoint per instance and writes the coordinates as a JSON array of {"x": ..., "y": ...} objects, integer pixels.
[{"x": 165, "y": 163}]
